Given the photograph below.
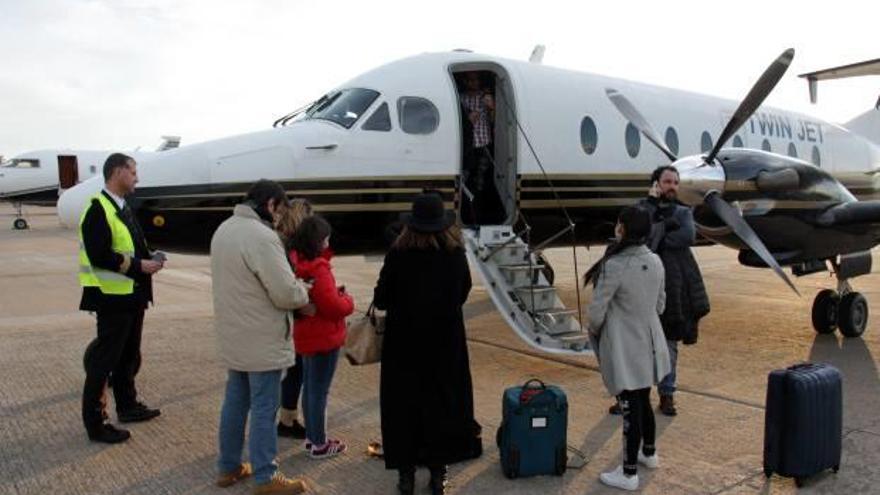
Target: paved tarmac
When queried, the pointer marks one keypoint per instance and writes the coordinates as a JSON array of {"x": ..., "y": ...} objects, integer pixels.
[{"x": 713, "y": 446}]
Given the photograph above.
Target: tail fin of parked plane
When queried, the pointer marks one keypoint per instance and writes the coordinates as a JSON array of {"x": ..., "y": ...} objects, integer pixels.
[
  {"x": 867, "y": 125},
  {"x": 169, "y": 143}
]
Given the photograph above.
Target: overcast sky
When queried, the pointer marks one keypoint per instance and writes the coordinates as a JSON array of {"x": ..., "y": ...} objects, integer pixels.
[{"x": 106, "y": 74}]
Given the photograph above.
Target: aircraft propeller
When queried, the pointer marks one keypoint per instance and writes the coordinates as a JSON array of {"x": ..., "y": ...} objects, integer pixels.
[{"x": 713, "y": 198}]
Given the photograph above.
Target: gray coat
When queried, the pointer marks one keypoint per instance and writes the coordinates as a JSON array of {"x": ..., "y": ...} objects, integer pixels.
[
  {"x": 624, "y": 318},
  {"x": 254, "y": 289}
]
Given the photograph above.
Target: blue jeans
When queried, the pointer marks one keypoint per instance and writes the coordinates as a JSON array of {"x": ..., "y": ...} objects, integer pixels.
[
  {"x": 259, "y": 393},
  {"x": 667, "y": 385},
  {"x": 318, "y": 372}
]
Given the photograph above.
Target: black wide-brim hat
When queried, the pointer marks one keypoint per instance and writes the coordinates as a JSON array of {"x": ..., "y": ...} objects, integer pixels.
[{"x": 428, "y": 215}]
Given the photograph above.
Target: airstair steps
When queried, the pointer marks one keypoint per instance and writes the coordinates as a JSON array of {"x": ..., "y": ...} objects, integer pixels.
[{"x": 518, "y": 288}]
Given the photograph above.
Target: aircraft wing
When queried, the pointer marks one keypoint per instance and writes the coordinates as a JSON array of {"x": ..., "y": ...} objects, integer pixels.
[{"x": 866, "y": 68}]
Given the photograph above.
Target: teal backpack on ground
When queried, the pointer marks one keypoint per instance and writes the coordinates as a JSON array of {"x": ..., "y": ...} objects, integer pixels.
[{"x": 532, "y": 437}]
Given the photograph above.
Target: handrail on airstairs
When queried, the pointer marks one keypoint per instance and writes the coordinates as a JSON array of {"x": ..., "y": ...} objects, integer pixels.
[{"x": 570, "y": 223}]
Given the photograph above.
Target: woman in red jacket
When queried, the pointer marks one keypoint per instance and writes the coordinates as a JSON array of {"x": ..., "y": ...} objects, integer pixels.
[{"x": 319, "y": 338}]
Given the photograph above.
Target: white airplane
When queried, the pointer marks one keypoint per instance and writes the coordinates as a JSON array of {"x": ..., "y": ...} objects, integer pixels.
[
  {"x": 37, "y": 177},
  {"x": 790, "y": 190}
]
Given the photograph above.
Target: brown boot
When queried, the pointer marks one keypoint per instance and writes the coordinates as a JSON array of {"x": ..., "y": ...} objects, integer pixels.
[
  {"x": 667, "y": 405},
  {"x": 228, "y": 479},
  {"x": 614, "y": 410},
  {"x": 281, "y": 485}
]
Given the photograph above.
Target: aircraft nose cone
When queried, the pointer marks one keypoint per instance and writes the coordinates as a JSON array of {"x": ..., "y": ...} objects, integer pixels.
[
  {"x": 72, "y": 202},
  {"x": 698, "y": 179}
]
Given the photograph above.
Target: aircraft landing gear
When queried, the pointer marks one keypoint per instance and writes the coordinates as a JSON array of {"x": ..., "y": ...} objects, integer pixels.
[
  {"x": 843, "y": 309},
  {"x": 19, "y": 223}
]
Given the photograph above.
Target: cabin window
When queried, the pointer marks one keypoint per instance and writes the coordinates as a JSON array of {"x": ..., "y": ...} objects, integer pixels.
[
  {"x": 417, "y": 115},
  {"x": 765, "y": 145},
  {"x": 633, "y": 140},
  {"x": 737, "y": 142},
  {"x": 343, "y": 107},
  {"x": 23, "y": 163},
  {"x": 589, "y": 135},
  {"x": 672, "y": 140},
  {"x": 792, "y": 150},
  {"x": 379, "y": 121},
  {"x": 705, "y": 142},
  {"x": 817, "y": 157},
  {"x": 93, "y": 169}
]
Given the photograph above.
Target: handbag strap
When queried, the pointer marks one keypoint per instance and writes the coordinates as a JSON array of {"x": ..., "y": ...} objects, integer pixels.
[{"x": 371, "y": 314}]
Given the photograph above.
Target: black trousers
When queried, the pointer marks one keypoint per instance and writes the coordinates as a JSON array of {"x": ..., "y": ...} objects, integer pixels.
[
  {"x": 115, "y": 354},
  {"x": 291, "y": 385},
  {"x": 479, "y": 177},
  {"x": 639, "y": 428}
]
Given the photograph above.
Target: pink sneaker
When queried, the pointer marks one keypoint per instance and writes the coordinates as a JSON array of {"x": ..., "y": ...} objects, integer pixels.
[{"x": 329, "y": 449}]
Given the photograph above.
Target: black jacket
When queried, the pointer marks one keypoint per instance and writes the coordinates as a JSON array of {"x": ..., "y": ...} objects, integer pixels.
[
  {"x": 97, "y": 241},
  {"x": 426, "y": 394},
  {"x": 672, "y": 233}
]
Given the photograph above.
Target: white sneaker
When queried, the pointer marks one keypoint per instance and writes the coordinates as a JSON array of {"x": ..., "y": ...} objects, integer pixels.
[
  {"x": 617, "y": 479},
  {"x": 649, "y": 461}
]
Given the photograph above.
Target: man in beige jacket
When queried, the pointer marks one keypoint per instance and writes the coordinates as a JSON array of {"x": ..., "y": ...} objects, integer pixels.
[{"x": 254, "y": 292}]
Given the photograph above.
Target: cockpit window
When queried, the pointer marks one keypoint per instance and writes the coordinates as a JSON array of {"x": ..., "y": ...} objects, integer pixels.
[
  {"x": 22, "y": 163},
  {"x": 417, "y": 115},
  {"x": 379, "y": 121},
  {"x": 343, "y": 107}
]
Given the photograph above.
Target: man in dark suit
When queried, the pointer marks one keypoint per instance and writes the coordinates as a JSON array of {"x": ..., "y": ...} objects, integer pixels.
[{"x": 115, "y": 270}]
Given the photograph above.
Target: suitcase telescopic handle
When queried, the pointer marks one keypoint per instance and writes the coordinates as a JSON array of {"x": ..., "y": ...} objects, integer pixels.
[{"x": 529, "y": 383}]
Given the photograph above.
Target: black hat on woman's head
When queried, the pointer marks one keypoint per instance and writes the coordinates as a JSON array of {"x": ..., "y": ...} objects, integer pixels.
[{"x": 428, "y": 215}]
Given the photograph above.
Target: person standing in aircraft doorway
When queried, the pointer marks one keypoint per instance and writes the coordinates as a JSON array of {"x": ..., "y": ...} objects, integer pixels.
[
  {"x": 672, "y": 235},
  {"x": 478, "y": 172}
]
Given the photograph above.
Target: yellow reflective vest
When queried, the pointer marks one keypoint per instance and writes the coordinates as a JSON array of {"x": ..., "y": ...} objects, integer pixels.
[{"x": 110, "y": 282}]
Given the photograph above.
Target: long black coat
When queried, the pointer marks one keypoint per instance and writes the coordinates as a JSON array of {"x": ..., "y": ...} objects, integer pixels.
[
  {"x": 426, "y": 393},
  {"x": 672, "y": 233}
]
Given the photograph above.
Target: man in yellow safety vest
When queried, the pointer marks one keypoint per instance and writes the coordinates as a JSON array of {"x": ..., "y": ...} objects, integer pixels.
[{"x": 115, "y": 270}]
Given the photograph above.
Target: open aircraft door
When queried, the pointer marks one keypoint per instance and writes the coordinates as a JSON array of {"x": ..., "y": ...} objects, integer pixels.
[{"x": 68, "y": 171}]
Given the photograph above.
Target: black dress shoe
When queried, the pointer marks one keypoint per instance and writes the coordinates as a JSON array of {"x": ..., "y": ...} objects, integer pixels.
[
  {"x": 138, "y": 412},
  {"x": 406, "y": 481},
  {"x": 107, "y": 433},
  {"x": 297, "y": 430},
  {"x": 439, "y": 480}
]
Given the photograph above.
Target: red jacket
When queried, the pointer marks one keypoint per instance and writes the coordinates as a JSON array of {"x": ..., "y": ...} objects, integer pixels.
[{"x": 325, "y": 331}]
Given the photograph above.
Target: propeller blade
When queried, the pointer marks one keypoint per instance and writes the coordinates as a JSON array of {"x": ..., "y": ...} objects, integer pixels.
[
  {"x": 737, "y": 223},
  {"x": 753, "y": 100},
  {"x": 636, "y": 119}
]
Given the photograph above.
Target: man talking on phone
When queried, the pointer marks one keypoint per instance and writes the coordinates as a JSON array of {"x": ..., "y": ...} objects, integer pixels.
[
  {"x": 673, "y": 232},
  {"x": 115, "y": 271}
]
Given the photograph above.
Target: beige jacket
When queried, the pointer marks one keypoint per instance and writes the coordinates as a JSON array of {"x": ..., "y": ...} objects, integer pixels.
[
  {"x": 625, "y": 313},
  {"x": 254, "y": 290}
]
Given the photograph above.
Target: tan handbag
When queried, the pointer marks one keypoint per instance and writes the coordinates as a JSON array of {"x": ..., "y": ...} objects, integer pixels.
[{"x": 363, "y": 345}]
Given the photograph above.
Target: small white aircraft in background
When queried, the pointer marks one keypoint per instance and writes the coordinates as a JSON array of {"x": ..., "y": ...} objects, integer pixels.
[
  {"x": 38, "y": 177},
  {"x": 782, "y": 188}
]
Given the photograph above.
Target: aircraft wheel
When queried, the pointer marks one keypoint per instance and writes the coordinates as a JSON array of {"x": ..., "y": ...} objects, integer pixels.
[
  {"x": 852, "y": 315},
  {"x": 20, "y": 224},
  {"x": 825, "y": 311}
]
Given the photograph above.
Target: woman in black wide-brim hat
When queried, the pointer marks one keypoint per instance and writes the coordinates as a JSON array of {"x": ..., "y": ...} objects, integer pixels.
[{"x": 426, "y": 393}]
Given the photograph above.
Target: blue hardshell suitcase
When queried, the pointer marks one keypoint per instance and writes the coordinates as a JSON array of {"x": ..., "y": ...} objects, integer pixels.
[
  {"x": 533, "y": 433},
  {"x": 803, "y": 422}
]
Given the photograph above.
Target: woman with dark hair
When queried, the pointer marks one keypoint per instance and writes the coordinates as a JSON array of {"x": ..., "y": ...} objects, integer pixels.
[
  {"x": 319, "y": 337},
  {"x": 426, "y": 393},
  {"x": 286, "y": 225},
  {"x": 628, "y": 298}
]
